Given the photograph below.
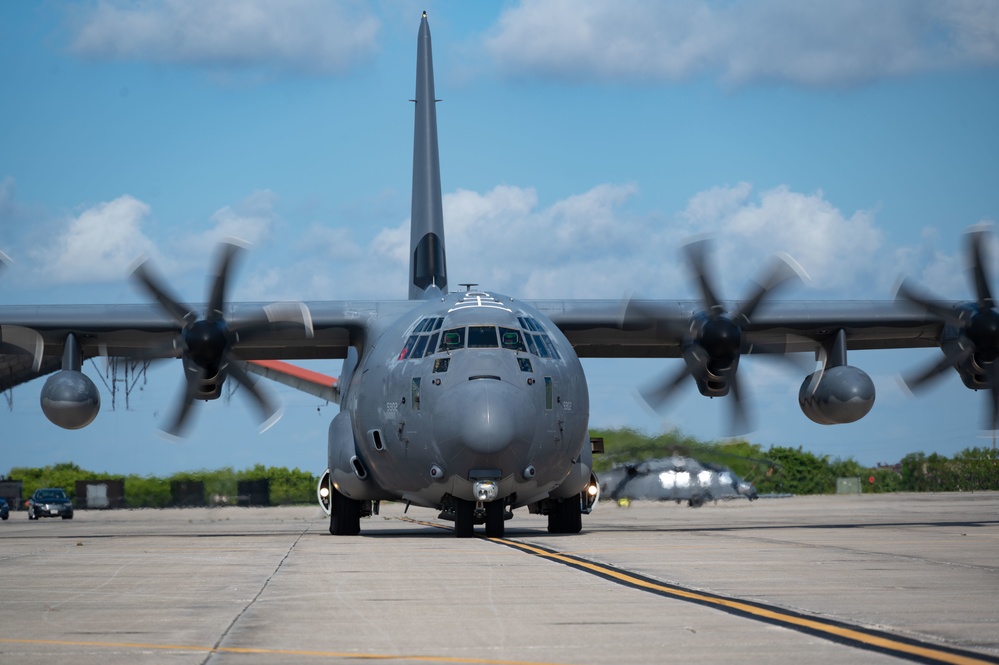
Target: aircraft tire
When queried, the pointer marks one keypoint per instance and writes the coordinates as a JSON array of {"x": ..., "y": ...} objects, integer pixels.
[
  {"x": 565, "y": 516},
  {"x": 464, "y": 518},
  {"x": 495, "y": 519},
  {"x": 345, "y": 515}
]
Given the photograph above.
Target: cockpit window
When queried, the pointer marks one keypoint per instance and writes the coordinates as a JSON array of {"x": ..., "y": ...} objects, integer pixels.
[
  {"x": 540, "y": 345},
  {"x": 537, "y": 340},
  {"x": 421, "y": 343},
  {"x": 452, "y": 339},
  {"x": 530, "y": 345},
  {"x": 545, "y": 340},
  {"x": 482, "y": 337},
  {"x": 428, "y": 338},
  {"x": 432, "y": 345},
  {"x": 419, "y": 347},
  {"x": 410, "y": 343},
  {"x": 510, "y": 339}
]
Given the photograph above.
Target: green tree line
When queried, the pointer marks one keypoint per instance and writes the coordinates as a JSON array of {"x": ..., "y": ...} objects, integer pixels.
[
  {"x": 777, "y": 469},
  {"x": 221, "y": 485},
  {"x": 781, "y": 469}
]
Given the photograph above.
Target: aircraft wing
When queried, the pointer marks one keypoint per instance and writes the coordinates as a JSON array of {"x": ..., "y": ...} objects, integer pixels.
[
  {"x": 595, "y": 328},
  {"x": 146, "y": 332},
  {"x": 658, "y": 328}
]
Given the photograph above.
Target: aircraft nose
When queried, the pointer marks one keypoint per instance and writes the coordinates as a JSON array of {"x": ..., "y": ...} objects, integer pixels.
[{"x": 485, "y": 415}]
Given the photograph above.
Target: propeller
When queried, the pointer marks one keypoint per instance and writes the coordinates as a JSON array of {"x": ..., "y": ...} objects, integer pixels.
[
  {"x": 712, "y": 337},
  {"x": 207, "y": 343},
  {"x": 971, "y": 333}
]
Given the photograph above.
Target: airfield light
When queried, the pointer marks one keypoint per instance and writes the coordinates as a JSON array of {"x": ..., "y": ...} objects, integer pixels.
[
  {"x": 485, "y": 490},
  {"x": 324, "y": 492}
]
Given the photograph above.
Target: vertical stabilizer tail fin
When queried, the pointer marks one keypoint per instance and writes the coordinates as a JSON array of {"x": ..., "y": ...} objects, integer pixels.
[{"x": 427, "y": 266}]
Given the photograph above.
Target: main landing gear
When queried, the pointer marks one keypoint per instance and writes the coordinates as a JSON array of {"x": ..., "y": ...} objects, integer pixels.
[
  {"x": 565, "y": 515},
  {"x": 345, "y": 515}
]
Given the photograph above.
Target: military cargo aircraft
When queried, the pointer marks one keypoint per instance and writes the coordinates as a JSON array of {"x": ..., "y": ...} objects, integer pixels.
[{"x": 473, "y": 402}]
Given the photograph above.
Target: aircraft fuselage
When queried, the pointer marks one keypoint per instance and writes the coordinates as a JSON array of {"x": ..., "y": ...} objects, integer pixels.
[{"x": 469, "y": 387}]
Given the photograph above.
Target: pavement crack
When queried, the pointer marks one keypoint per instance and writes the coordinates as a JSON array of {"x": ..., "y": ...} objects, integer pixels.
[{"x": 260, "y": 592}]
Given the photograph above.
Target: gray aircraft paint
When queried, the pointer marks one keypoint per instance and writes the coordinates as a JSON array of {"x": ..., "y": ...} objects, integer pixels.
[
  {"x": 484, "y": 394},
  {"x": 427, "y": 256}
]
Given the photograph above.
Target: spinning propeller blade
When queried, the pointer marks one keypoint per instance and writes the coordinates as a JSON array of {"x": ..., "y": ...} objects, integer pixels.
[
  {"x": 972, "y": 344},
  {"x": 207, "y": 342},
  {"x": 713, "y": 337}
]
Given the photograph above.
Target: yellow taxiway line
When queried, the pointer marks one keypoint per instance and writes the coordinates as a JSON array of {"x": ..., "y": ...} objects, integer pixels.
[
  {"x": 272, "y": 652},
  {"x": 830, "y": 629}
]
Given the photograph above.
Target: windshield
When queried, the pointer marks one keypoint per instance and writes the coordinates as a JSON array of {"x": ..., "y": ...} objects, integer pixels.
[
  {"x": 428, "y": 338},
  {"x": 50, "y": 495}
]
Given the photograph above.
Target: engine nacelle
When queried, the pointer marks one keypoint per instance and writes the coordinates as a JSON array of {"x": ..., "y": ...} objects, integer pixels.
[
  {"x": 70, "y": 399},
  {"x": 836, "y": 395}
]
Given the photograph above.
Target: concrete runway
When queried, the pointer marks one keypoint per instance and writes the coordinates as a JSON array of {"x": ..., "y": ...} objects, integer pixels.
[{"x": 899, "y": 577}]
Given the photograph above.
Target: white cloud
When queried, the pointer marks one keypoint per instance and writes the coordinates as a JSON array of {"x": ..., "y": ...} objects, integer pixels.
[
  {"x": 591, "y": 245},
  {"x": 249, "y": 221},
  {"x": 504, "y": 241},
  {"x": 839, "y": 252},
  {"x": 100, "y": 244},
  {"x": 311, "y": 36},
  {"x": 334, "y": 243},
  {"x": 947, "y": 275},
  {"x": 830, "y": 43}
]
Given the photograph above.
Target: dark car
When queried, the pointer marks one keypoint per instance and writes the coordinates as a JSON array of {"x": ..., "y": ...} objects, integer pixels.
[
  {"x": 50, "y": 502},
  {"x": 4, "y": 509}
]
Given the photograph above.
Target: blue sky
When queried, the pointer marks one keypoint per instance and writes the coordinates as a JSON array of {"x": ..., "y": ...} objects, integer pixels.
[{"x": 581, "y": 144}]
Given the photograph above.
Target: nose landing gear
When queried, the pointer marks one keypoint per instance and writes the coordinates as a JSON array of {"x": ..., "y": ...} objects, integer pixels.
[{"x": 466, "y": 514}]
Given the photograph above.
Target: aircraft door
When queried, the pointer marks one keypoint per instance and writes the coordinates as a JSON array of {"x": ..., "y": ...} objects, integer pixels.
[
  {"x": 554, "y": 413},
  {"x": 409, "y": 416}
]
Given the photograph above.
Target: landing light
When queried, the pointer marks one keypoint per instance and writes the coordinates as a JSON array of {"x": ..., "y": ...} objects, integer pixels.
[
  {"x": 324, "y": 492},
  {"x": 485, "y": 490},
  {"x": 592, "y": 489}
]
